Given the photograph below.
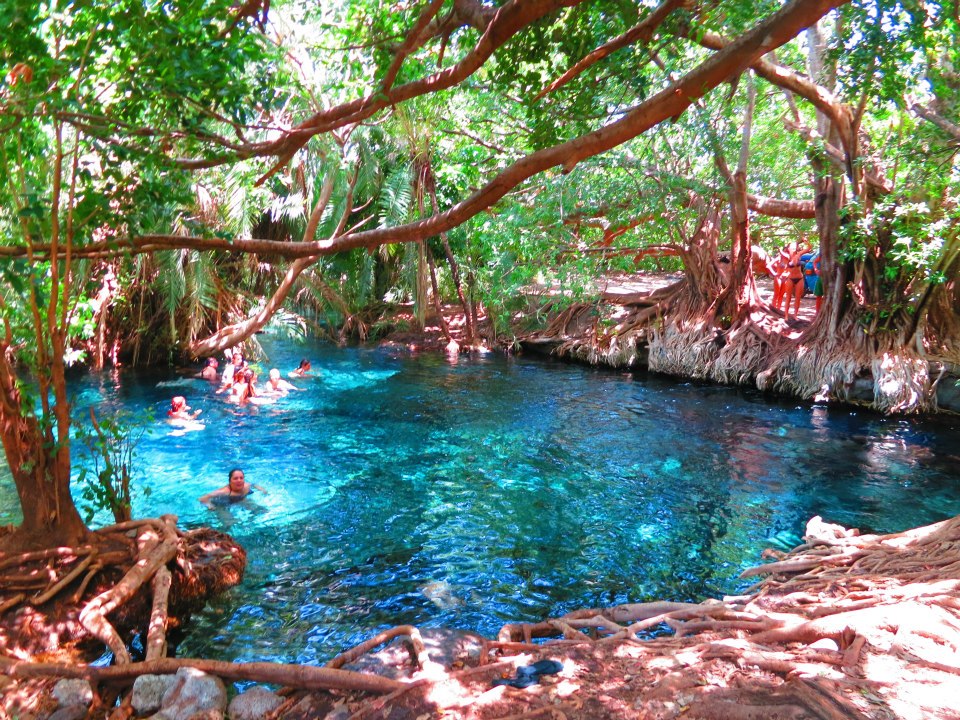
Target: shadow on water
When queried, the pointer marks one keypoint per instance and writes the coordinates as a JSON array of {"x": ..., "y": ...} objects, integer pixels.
[{"x": 409, "y": 490}]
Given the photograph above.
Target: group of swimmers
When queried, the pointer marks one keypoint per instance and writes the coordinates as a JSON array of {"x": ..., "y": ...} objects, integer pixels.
[{"x": 240, "y": 382}]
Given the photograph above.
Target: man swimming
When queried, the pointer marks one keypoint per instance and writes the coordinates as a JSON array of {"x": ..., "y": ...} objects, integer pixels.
[{"x": 304, "y": 370}]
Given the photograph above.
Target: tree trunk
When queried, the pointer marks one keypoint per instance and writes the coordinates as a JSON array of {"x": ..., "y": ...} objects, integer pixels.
[
  {"x": 451, "y": 261},
  {"x": 437, "y": 304},
  {"x": 42, "y": 479},
  {"x": 832, "y": 272},
  {"x": 420, "y": 299},
  {"x": 740, "y": 291}
]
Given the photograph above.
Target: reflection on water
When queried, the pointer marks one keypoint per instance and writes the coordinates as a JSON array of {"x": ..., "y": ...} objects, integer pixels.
[{"x": 494, "y": 490}]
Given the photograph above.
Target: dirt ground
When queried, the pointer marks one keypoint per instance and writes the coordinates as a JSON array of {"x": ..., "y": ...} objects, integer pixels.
[{"x": 432, "y": 338}]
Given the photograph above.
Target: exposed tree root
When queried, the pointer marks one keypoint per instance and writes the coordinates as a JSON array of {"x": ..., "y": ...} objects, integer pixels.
[
  {"x": 153, "y": 556},
  {"x": 679, "y": 330},
  {"x": 302, "y": 676},
  {"x": 418, "y": 653},
  {"x": 45, "y": 605},
  {"x": 844, "y": 626},
  {"x": 157, "y": 632}
]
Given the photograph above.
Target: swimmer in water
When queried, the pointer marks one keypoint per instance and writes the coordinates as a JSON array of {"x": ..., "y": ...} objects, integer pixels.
[
  {"x": 179, "y": 410},
  {"x": 210, "y": 371},
  {"x": 276, "y": 385},
  {"x": 236, "y": 489},
  {"x": 302, "y": 371}
]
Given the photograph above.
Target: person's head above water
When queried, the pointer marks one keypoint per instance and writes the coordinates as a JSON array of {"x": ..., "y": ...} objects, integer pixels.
[
  {"x": 178, "y": 403},
  {"x": 212, "y": 362},
  {"x": 304, "y": 364},
  {"x": 236, "y": 481},
  {"x": 274, "y": 374}
]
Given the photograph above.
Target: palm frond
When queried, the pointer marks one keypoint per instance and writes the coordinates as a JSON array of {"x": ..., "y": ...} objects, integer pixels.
[{"x": 396, "y": 195}]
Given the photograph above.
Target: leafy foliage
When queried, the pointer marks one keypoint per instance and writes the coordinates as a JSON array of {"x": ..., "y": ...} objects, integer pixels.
[{"x": 107, "y": 476}]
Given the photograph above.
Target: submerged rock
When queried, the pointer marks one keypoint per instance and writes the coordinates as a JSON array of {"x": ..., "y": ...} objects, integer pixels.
[{"x": 441, "y": 594}]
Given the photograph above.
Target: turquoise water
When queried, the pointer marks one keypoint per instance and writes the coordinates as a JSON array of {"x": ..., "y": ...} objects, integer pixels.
[{"x": 412, "y": 490}]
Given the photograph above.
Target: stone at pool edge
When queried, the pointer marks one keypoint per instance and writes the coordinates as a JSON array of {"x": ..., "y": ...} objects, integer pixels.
[
  {"x": 148, "y": 692},
  {"x": 193, "y": 694},
  {"x": 73, "y": 692},
  {"x": 253, "y": 704}
]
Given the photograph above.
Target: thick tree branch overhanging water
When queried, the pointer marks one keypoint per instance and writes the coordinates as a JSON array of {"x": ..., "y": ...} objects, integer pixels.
[
  {"x": 839, "y": 113},
  {"x": 508, "y": 21}
]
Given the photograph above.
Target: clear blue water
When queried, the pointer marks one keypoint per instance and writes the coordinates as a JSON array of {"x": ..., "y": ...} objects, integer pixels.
[{"x": 412, "y": 490}]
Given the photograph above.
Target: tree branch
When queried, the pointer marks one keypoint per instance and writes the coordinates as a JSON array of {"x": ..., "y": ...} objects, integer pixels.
[
  {"x": 669, "y": 103},
  {"x": 775, "y": 207},
  {"x": 836, "y": 156},
  {"x": 641, "y": 31},
  {"x": 414, "y": 40},
  {"x": 509, "y": 20},
  {"x": 941, "y": 122},
  {"x": 821, "y": 98}
]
